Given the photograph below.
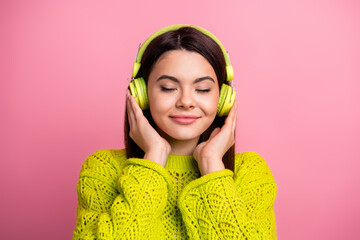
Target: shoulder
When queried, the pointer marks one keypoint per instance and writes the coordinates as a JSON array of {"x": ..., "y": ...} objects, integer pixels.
[
  {"x": 251, "y": 164},
  {"x": 104, "y": 162},
  {"x": 106, "y": 156},
  {"x": 247, "y": 160}
]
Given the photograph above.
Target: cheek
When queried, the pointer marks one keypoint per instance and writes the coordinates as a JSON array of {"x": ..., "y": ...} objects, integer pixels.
[
  {"x": 210, "y": 106},
  {"x": 158, "y": 105}
]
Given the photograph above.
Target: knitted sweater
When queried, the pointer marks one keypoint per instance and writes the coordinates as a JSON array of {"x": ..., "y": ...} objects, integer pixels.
[{"x": 120, "y": 198}]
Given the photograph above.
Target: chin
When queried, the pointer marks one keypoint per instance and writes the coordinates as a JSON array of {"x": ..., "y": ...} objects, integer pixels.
[
  {"x": 180, "y": 134},
  {"x": 183, "y": 137}
]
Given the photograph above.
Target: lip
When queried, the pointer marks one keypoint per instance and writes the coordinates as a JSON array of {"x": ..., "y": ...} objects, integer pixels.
[{"x": 184, "y": 119}]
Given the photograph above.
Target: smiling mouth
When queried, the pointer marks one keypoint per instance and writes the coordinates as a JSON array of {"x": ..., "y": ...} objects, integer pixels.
[{"x": 184, "y": 119}]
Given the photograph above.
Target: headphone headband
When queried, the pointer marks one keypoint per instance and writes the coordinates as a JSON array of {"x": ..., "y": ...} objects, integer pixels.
[{"x": 142, "y": 48}]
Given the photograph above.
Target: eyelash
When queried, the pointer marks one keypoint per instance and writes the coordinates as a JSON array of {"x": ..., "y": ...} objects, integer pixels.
[
  {"x": 173, "y": 89},
  {"x": 203, "y": 90},
  {"x": 167, "y": 89}
]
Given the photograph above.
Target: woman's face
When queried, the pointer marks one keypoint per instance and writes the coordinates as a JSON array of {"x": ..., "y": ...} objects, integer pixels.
[{"x": 183, "y": 94}]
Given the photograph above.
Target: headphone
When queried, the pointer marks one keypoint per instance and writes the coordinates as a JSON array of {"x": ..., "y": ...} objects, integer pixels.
[{"x": 138, "y": 86}]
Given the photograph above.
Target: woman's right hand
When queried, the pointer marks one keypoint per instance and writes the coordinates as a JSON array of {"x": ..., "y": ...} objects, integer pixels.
[{"x": 156, "y": 148}]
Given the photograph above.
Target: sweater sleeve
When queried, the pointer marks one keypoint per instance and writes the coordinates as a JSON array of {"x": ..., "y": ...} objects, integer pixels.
[
  {"x": 220, "y": 205},
  {"x": 119, "y": 197}
]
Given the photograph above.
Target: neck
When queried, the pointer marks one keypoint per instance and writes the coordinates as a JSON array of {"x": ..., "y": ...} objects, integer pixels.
[
  {"x": 180, "y": 147},
  {"x": 183, "y": 147}
]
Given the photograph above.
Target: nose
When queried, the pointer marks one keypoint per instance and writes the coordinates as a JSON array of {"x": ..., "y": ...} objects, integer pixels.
[{"x": 185, "y": 100}]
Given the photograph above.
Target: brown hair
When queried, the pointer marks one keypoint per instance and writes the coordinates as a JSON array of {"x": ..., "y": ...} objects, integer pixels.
[{"x": 190, "y": 39}]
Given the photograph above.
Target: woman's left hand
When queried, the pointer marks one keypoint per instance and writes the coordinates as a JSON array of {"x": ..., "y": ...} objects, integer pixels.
[{"x": 209, "y": 154}]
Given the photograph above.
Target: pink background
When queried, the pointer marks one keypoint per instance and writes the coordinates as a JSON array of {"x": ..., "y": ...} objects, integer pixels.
[{"x": 64, "y": 68}]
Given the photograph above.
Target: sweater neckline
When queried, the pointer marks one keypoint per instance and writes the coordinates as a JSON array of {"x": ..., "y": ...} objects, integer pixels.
[{"x": 185, "y": 162}]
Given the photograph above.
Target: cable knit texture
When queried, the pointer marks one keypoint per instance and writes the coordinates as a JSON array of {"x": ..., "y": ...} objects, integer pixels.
[{"x": 122, "y": 198}]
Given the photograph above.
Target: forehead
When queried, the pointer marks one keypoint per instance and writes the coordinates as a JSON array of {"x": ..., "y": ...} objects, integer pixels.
[{"x": 182, "y": 64}]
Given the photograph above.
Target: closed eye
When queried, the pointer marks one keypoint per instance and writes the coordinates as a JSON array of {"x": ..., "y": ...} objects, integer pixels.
[
  {"x": 167, "y": 89},
  {"x": 203, "y": 90}
]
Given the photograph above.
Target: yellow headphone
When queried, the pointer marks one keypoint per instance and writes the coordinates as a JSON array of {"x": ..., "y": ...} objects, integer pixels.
[{"x": 138, "y": 85}]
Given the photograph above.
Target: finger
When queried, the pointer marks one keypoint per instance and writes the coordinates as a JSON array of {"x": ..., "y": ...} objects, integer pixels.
[
  {"x": 135, "y": 107},
  {"x": 214, "y": 133},
  {"x": 234, "y": 123},
  {"x": 231, "y": 118},
  {"x": 130, "y": 111}
]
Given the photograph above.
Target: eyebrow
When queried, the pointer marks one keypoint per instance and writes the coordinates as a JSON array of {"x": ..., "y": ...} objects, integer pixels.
[{"x": 177, "y": 80}]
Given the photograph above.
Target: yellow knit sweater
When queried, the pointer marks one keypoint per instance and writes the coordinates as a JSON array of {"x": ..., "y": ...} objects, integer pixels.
[{"x": 122, "y": 198}]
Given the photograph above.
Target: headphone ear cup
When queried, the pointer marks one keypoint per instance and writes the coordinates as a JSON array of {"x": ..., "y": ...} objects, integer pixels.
[
  {"x": 138, "y": 90},
  {"x": 226, "y": 100},
  {"x": 221, "y": 99}
]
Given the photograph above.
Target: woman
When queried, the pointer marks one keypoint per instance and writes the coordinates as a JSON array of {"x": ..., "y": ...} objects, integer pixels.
[{"x": 178, "y": 177}]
